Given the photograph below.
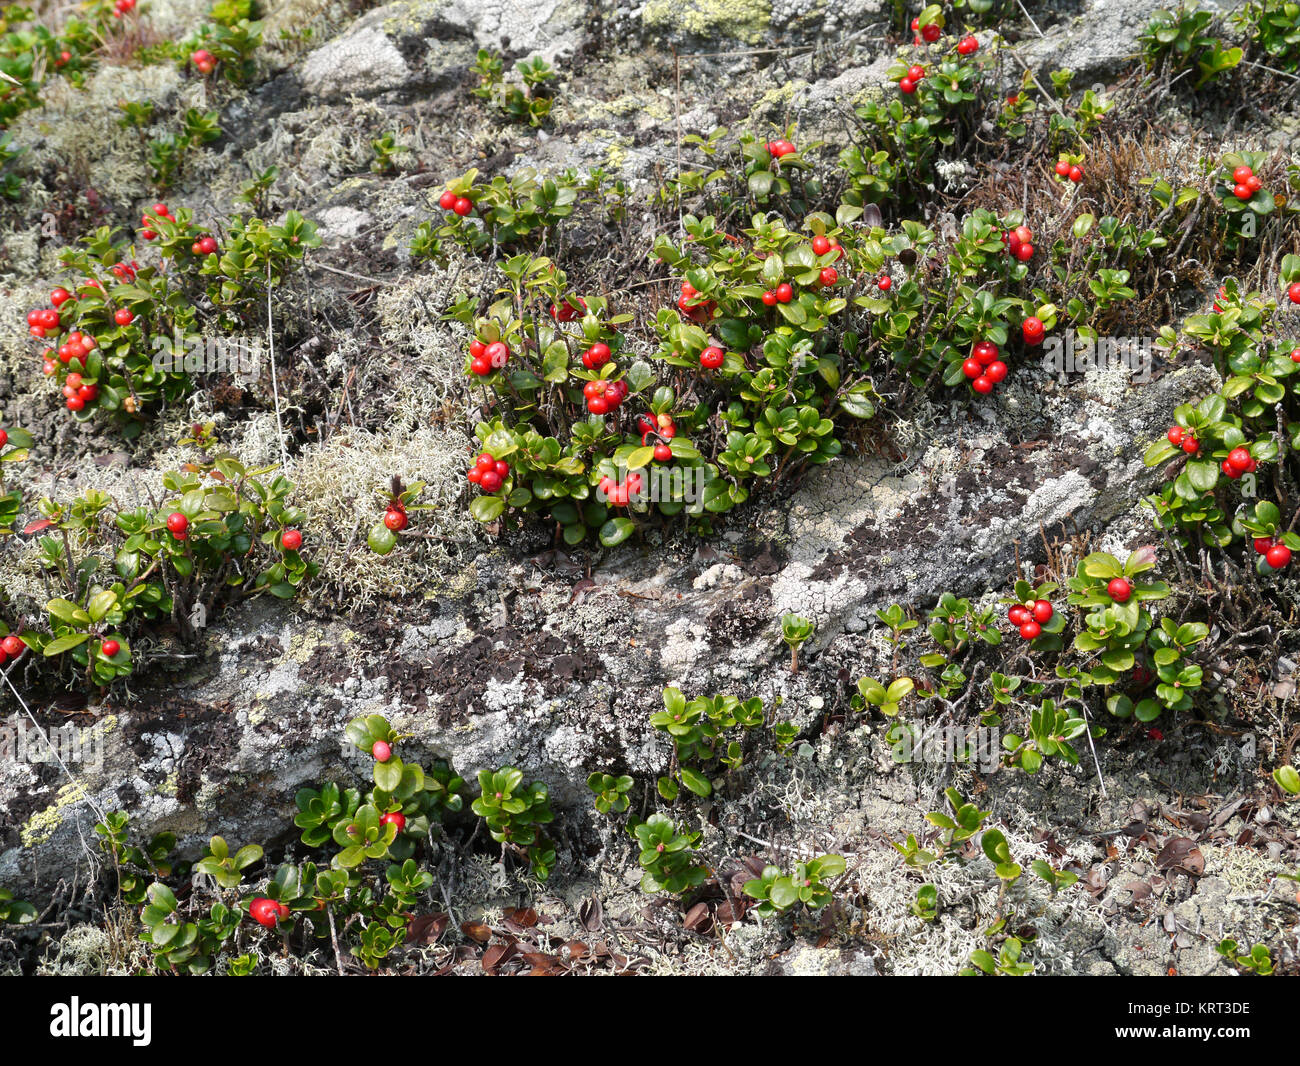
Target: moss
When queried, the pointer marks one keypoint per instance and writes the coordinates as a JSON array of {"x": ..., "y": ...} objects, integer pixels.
[{"x": 743, "y": 20}]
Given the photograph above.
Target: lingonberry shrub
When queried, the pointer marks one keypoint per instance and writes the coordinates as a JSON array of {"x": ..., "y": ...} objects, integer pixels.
[
  {"x": 708, "y": 738},
  {"x": 14, "y": 445},
  {"x": 512, "y": 815},
  {"x": 667, "y": 857},
  {"x": 805, "y": 886},
  {"x": 531, "y": 104},
  {"x": 226, "y": 46},
  {"x": 128, "y": 333},
  {"x": 611, "y": 792},
  {"x": 1181, "y": 41},
  {"x": 215, "y": 538}
]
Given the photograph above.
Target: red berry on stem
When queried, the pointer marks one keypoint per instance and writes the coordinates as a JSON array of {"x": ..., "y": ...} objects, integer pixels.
[
  {"x": 885, "y": 283},
  {"x": 996, "y": 371},
  {"x": 1043, "y": 611},
  {"x": 769, "y": 298},
  {"x": 1175, "y": 435},
  {"x": 1242, "y": 174},
  {"x": 907, "y": 86},
  {"x": 829, "y": 276},
  {"x": 711, "y": 358},
  {"x": 177, "y": 524},
  {"x": 1019, "y": 615},
  {"x": 1278, "y": 556},
  {"x": 462, "y": 206},
  {"x": 972, "y": 368},
  {"x": 381, "y": 750},
  {"x": 291, "y": 539},
  {"x": 447, "y": 200},
  {"x": 12, "y": 646},
  {"x": 785, "y": 292},
  {"x": 396, "y": 818},
  {"x": 1262, "y": 544},
  {"x": 1239, "y": 458},
  {"x": 1030, "y": 630},
  {"x": 1293, "y": 293},
  {"x": 1076, "y": 174},
  {"x": 109, "y": 648},
  {"x": 820, "y": 245},
  {"x": 1119, "y": 589},
  {"x": 1063, "y": 168},
  {"x": 982, "y": 385}
]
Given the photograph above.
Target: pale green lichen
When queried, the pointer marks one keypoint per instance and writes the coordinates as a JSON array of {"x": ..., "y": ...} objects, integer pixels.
[
  {"x": 742, "y": 20},
  {"x": 40, "y": 826}
]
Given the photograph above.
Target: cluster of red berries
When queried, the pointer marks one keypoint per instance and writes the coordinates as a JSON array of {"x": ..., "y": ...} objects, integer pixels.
[
  {"x": 78, "y": 392},
  {"x": 1244, "y": 183},
  {"x": 487, "y": 473},
  {"x": 11, "y": 648},
  {"x": 566, "y": 312},
  {"x": 206, "y": 245},
  {"x": 1019, "y": 243},
  {"x": 604, "y": 396},
  {"x": 782, "y": 294},
  {"x": 928, "y": 34},
  {"x": 163, "y": 214},
  {"x": 618, "y": 493},
  {"x": 698, "y": 309},
  {"x": 984, "y": 368},
  {"x": 1275, "y": 554},
  {"x": 121, "y": 8},
  {"x": 178, "y": 525},
  {"x": 484, "y": 358},
  {"x": 204, "y": 60},
  {"x": 908, "y": 82},
  {"x": 460, "y": 205},
  {"x": 267, "y": 912},
  {"x": 778, "y": 149},
  {"x": 1180, "y": 438},
  {"x": 596, "y": 356},
  {"x": 1069, "y": 171},
  {"x": 662, "y": 428},
  {"x": 1238, "y": 462},
  {"x": 1031, "y": 618}
]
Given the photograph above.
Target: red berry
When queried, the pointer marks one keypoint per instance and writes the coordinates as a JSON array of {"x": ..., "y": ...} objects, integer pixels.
[
  {"x": 177, "y": 524},
  {"x": 769, "y": 298},
  {"x": 381, "y": 750},
  {"x": 1191, "y": 445},
  {"x": 396, "y": 818},
  {"x": 1042, "y": 611},
  {"x": 265, "y": 912},
  {"x": 1242, "y": 174},
  {"x": 1063, "y": 168},
  {"x": 885, "y": 283},
  {"x": 1278, "y": 556},
  {"x": 1262, "y": 544},
  {"x": 50, "y": 319},
  {"x": 967, "y": 46},
  {"x": 931, "y": 33},
  {"x": 907, "y": 85},
  {"x": 1025, "y": 252},
  {"x": 829, "y": 276},
  {"x": 395, "y": 519},
  {"x": 996, "y": 371},
  {"x": 663, "y": 453},
  {"x": 972, "y": 368},
  {"x": 599, "y": 353},
  {"x": 123, "y": 316},
  {"x": 1024, "y": 233},
  {"x": 785, "y": 292},
  {"x": 1030, "y": 630},
  {"x": 481, "y": 367},
  {"x": 1253, "y": 183},
  {"x": 12, "y": 646},
  {"x": 74, "y": 403},
  {"x": 4, "y": 438},
  {"x": 985, "y": 352},
  {"x": 447, "y": 201},
  {"x": 820, "y": 245},
  {"x": 1293, "y": 293},
  {"x": 597, "y": 405},
  {"x": 1175, "y": 435},
  {"x": 1076, "y": 174},
  {"x": 497, "y": 353},
  {"x": 291, "y": 539},
  {"x": 982, "y": 385},
  {"x": 1119, "y": 589},
  {"x": 1242, "y": 192},
  {"x": 462, "y": 206},
  {"x": 109, "y": 648},
  {"x": 59, "y": 297},
  {"x": 1239, "y": 458},
  {"x": 916, "y": 72},
  {"x": 1230, "y": 470},
  {"x": 1019, "y": 615},
  {"x": 1033, "y": 330},
  {"x": 711, "y": 358}
]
